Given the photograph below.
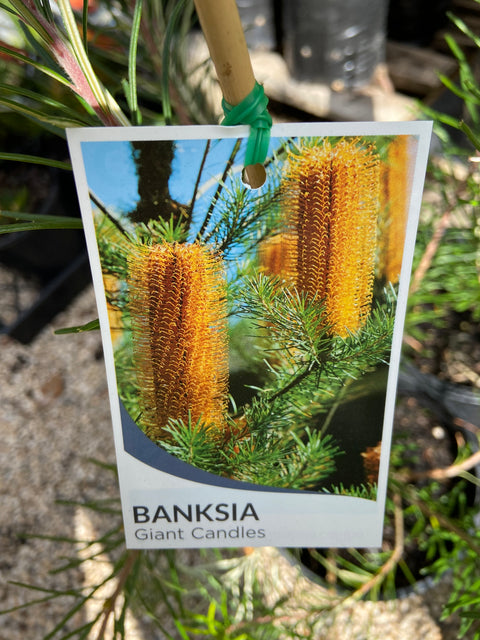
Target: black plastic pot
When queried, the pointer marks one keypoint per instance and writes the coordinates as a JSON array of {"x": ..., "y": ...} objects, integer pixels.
[
  {"x": 456, "y": 406},
  {"x": 55, "y": 259},
  {"x": 457, "y": 409},
  {"x": 259, "y": 23},
  {"x": 416, "y": 21},
  {"x": 332, "y": 42}
]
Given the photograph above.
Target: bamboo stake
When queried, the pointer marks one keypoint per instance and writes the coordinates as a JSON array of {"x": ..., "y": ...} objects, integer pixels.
[{"x": 223, "y": 31}]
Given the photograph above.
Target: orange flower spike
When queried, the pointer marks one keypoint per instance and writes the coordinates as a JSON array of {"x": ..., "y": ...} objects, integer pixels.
[
  {"x": 392, "y": 237},
  {"x": 308, "y": 196},
  {"x": 333, "y": 194},
  {"x": 179, "y": 327},
  {"x": 353, "y": 228},
  {"x": 277, "y": 256}
]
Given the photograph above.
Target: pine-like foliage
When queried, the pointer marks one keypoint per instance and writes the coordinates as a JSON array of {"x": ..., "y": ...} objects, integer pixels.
[{"x": 177, "y": 308}]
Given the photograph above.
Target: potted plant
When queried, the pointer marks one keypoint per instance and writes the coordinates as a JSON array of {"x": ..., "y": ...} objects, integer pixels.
[{"x": 238, "y": 595}]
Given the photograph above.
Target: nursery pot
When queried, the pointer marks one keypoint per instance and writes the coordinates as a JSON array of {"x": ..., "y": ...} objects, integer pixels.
[
  {"x": 416, "y": 21},
  {"x": 449, "y": 406},
  {"x": 258, "y": 21},
  {"x": 44, "y": 252},
  {"x": 55, "y": 259},
  {"x": 335, "y": 43}
]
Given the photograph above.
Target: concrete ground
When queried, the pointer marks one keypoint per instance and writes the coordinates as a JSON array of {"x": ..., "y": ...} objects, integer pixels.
[{"x": 54, "y": 417}]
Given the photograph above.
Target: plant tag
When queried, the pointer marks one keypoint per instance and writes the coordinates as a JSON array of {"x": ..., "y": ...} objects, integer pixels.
[{"x": 252, "y": 336}]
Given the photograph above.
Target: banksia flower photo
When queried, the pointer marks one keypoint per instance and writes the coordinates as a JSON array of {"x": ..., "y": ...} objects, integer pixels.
[
  {"x": 332, "y": 195},
  {"x": 252, "y": 332},
  {"x": 178, "y": 318},
  {"x": 277, "y": 256},
  {"x": 394, "y": 207}
]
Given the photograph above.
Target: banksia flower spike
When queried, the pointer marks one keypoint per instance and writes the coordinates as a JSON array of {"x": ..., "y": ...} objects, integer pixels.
[
  {"x": 371, "y": 462},
  {"x": 178, "y": 312},
  {"x": 277, "y": 256},
  {"x": 394, "y": 209},
  {"x": 332, "y": 194}
]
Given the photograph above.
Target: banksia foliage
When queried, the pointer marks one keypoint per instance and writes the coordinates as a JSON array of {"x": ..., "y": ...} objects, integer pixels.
[
  {"x": 394, "y": 209},
  {"x": 332, "y": 196},
  {"x": 178, "y": 312}
]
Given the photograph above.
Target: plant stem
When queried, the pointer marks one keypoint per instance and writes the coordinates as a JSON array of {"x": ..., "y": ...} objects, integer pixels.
[
  {"x": 98, "y": 203},
  {"x": 199, "y": 176},
  {"x": 221, "y": 184},
  {"x": 110, "y": 113},
  {"x": 109, "y": 605},
  {"x": 452, "y": 471},
  {"x": 430, "y": 251},
  {"x": 335, "y": 406},
  {"x": 392, "y": 561},
  {"x": 410, "y": 494},
  {"x": 296, "y": 380}
]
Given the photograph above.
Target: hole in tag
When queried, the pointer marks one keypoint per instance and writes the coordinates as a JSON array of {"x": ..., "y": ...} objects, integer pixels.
[{"x": 254, "y": 176}]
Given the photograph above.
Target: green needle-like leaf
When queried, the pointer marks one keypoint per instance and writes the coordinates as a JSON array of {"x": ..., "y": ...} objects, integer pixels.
[
  {"x": 36, "y": 114},
  {"x": 16, "y": 55},
  {"x": 48, "y": 162},
  {"x": 35, "y": 222},
  {"x": 132, "y": 63},
  {"x": 94, "y": 325}
]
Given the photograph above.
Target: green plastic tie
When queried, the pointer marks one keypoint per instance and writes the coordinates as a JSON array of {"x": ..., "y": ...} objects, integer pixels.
[{"x": 252, "y": 110}]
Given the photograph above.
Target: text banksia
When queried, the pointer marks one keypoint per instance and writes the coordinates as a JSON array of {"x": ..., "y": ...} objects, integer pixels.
[{"x": 179, "y": 333}]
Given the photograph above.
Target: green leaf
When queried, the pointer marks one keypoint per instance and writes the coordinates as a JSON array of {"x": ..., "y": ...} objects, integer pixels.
[
  {"x": 42, "y": 100},
  {"x": 36, "y": 222},
  {"x": 36, "y": 65},
  {"x": 212, "y": 610},
  {"x": 470, "y": 477},
  {"x": 33, "y": 20},
  {"x": 93, "y": 325},
  {"x": 441, "y": 117},
  {"x": 132, "y": 64},
  {"x": 52, "y": 595},
  {"x": 474, "y": 139},
  {"x": 167, "y": 43},
  {"x": 456, "y": 90},
  {"x": 48, "y": 162},
  {"x": 62, "y": 123},
  {"x": 460, "y": 24},
  {"x": 471, "y": 615},
  {"x": 181, "y": 630}
]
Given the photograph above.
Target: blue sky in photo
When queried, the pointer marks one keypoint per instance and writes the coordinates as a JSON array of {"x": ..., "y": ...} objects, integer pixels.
[{"x": 111, "y": 173}]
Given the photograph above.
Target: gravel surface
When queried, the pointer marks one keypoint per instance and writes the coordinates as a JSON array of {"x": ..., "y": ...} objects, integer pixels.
[{"x": 54, "y": 416}]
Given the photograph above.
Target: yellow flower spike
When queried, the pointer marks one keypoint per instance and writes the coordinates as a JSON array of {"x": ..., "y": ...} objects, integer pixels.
[
  {"x": 277, "y": 256},
  {"x": 332, "y": 192},
  {"x": 111, "y": 284},
  {"x": 179, "y": 328},
  {"x": 394, "y": 209}
]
